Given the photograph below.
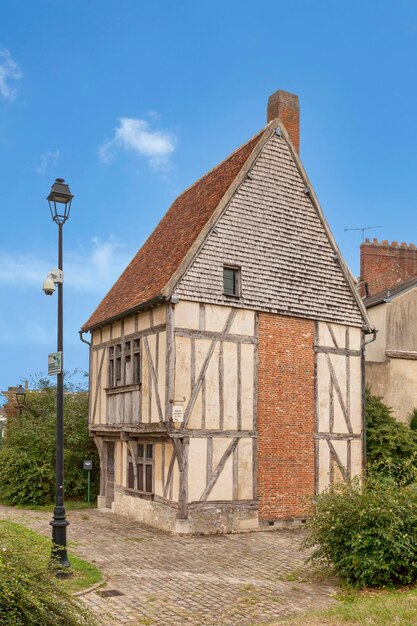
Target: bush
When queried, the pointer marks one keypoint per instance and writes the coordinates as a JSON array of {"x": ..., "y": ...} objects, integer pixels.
[
  {"x": 413, "y": 420},
  {"x": 391, "y": 447},
  {"x": 30, "y": 595},
  {"x": 27, "y": 460},
  {"x": 368, "y": 536}
]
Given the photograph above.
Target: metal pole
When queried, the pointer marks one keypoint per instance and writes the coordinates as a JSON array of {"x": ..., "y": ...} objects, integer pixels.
[
  {"x": 88, "y": 488},
  {"x": 59, "y": 523}
]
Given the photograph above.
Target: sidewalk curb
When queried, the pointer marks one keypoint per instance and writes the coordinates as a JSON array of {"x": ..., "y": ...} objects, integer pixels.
[{"x": 84, "y": 592}]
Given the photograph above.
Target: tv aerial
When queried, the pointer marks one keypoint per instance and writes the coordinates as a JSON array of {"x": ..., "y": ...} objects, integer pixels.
[{"x": 362, "y": 229}]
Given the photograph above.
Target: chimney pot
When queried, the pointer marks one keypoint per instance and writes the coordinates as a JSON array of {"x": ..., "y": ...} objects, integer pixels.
[
  {"x": 403, "y": 244},
  {"x": 375, "y": 240},
  {"x": 286, "y": 106}
]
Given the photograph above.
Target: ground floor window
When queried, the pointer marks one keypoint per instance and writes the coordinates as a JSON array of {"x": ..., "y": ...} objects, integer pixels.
[{"x": 145, "y": 468}]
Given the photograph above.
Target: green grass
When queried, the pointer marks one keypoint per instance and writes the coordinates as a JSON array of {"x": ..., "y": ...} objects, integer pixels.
[
  {"x": 83, "y": 574},
  {"x": 370, "y": 608},
  {"x": 70, "y": 505}
]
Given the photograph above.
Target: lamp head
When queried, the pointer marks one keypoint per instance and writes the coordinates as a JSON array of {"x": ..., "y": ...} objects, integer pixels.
[
  {"x": 60, "y": 199},
  {"x": 20, "y": 395}
]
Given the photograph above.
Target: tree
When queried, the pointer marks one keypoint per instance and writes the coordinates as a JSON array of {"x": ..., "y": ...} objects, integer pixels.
[
  {"x": 27, "y": 460},
  {"x": 391, "y": 447}
]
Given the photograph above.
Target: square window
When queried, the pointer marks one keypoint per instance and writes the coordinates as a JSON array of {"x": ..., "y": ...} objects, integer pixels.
[
  {"x": 140, "y": 450},
  {"x": 136, "y": 369},
  {"x": 118, "y": 369},
  {"x": 131, "y": 477},
  {"x": 148, "y": 485},
  {"x": 140, "y": 476},
  {"x": 149, "y": 451},
  {"x": 231, "y": 281}
]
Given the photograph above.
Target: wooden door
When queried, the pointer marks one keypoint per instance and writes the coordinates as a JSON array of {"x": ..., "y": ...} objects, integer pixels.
[{"x": 109, "y": 473}]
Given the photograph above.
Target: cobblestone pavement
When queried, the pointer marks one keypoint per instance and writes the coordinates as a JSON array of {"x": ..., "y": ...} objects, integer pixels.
[{"x": 224, "y": 580}]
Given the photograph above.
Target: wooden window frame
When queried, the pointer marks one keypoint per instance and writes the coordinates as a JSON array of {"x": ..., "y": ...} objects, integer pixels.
[
  {"x": 237, "y": 281},
  {"x": 121, "y": 353},
  {"x": 145, "y": 462}
]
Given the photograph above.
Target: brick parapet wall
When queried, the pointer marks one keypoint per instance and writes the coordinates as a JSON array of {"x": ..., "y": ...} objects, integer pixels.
[
  {"x": 286, "y": 106},
  {"x": 384, "y": 265},
  {"x": 286, "y": 422}
]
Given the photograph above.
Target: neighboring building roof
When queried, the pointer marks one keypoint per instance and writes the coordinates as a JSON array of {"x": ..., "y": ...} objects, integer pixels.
[
  {"x": 386, "y": 295},
  {"x": 304, "y": 242}
]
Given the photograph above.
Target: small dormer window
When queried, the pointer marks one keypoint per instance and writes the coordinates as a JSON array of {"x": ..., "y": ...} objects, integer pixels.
[{"x": 231, "y": 281}]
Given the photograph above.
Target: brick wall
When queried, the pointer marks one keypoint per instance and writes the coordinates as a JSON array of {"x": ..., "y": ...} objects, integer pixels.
[
  {"x": 286, "y": 106},
  {"x": 286, "y": 468},
  {"x": 384, "y": 265}
]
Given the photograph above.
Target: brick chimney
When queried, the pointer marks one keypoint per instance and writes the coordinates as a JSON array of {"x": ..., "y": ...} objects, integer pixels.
[
  {"x": 286, "y": 106},
  {"x": 385, "y": 265}
]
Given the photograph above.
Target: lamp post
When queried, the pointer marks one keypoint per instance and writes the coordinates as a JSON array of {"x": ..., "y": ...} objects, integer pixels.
[
  {"x": 59, "y": 199},
  {"x": 20, "y": 394}
]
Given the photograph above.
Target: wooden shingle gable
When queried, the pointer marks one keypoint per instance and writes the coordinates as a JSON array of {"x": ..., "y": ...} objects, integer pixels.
[
  {"x": 171, "y": 254},
  {"x": 270, "y": 224}
]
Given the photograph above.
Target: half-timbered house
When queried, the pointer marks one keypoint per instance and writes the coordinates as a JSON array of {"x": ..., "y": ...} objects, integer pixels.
[{"x": 226, "y": 363}]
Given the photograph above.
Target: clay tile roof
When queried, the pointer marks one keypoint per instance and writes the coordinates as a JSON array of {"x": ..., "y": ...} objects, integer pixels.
[{"x": 161, "y": 255}]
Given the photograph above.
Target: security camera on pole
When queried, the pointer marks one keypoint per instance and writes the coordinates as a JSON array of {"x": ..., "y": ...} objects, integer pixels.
[{"x": 59, "y": 199}]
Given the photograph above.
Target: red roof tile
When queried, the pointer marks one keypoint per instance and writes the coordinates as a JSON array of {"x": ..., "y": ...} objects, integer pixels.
[{"x": 162, "y": 253}]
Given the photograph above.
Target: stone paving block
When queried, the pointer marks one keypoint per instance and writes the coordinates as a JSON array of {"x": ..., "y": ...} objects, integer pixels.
[{"x": 220, "y": 580}]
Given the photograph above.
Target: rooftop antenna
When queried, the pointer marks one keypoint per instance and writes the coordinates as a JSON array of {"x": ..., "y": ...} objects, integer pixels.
[{"x": 362, "y": 229}]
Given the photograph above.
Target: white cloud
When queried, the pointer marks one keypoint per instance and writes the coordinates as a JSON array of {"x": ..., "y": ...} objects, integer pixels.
[
  {"x": 93, "y": 270},
  {"x": 137, "y": 135},
  {"x": 9, "y": 75},
  {"x": 46, "y": 161}
]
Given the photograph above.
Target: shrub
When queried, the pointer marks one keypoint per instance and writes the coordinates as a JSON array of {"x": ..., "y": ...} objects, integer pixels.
[
  {"x": 27, "y": 460},
  {"x": 391, "y": 447},
  {"x": 413, "y": 420},
  {"x": 30, "y": 595},
  {"x": 368, "y": 536}
]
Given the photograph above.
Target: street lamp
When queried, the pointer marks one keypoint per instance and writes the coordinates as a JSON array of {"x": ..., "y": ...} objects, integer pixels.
[
  {"x": 20, "y": 394},
  {"x": 59, "y": 199}
]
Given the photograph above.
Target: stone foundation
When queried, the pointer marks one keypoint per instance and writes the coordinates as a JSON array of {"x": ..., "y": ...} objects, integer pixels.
[
  {"x": 148, "y": 512},
  {"x": 203, "y": 518}
]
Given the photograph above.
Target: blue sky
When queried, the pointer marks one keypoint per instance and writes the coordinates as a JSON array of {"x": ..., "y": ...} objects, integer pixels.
[{"x": 131, "y": 101}]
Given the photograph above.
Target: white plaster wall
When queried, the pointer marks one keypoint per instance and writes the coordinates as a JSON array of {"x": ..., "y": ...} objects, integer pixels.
[
  {"x": 230, "y": 385},
  {"x": 347, "y": 371},
  {"x": 245, "y": 467},
  {"x": 248, "y": 385},
  {"x": 197, "y": 461},
  {"x": 212, "y": 318},
  {"x": 187, "y": 315},
  {"x": 158, "y": 486},
  {"x": 396, "y": 382},
  {"x": 129, "y": 325},
  {"x": 402, "y": 322},
  {"x": 375, "y": 351}
]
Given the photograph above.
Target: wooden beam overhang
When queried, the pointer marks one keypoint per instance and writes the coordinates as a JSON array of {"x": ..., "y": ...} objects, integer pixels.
[
  {"x": 149, "y": 304},
  {"x": 125, "y": 432}
]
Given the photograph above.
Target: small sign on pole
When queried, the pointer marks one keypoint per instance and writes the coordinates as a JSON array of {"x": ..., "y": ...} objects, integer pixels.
[
  {"x": 88, "y": 466},
  {"x": 54, "y": 363}
]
